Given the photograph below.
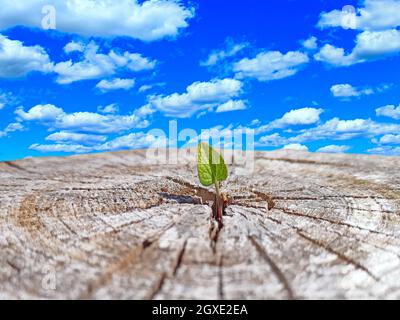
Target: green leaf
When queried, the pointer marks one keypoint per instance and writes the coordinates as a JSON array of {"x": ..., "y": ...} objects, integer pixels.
[{"x": 210, "y": 165}]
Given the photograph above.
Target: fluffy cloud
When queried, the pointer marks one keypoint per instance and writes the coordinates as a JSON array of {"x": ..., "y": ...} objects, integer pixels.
[
  {"x": 232, "y": 105},
  {"x": 97, "y": 65},
  {"x": 88, "y": 122},
  {"x": 311, "y": 43},
  {"x": 303, "y": 116},
  {"x": 76, "y": 143},
  {"x": 17, "y": 60},
  {"x": 337, "y": 129},
  {"x": 390, "y": 139},
  {"x": 199, "y": 96},
  {"x": 115, "y": 84},
  {"x": 108, "y": 109},
  {"x": 295, "y": 146},
  {"x": 137, "y": 140},
  {"x": 346, "y": 90},
  {"x": 390, "y": 111},
  {"x": 74, "y": 47},
  {"x": 43, "y": 113},
  {"x": 388, "y": 151},
  {"x": 271, "y": 65},
  {"x": 220, "y": 55},
  {"x": 333, "y": 149},
  {"x": 374, "y": 15},
  {"x": 69, "y": 148},
  {"x": 370, "y": 45},
  {"x": 147, "y": 87},
  {"x": 6, "y": 98},
  {"x": 273, "y": 140},
  {"x": 64, "y": 136},
  {"x": 377, "y": 20},
  {"x": 12, "y": 127},
  {"x": 144, "y": 20}
]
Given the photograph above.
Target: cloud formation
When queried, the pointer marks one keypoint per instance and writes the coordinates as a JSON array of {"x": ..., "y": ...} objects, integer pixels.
[
  {"x": 144, "y": 20},
  {"x": 333, "y": 149},
  {"x": 271, "y": 65},
  {"x": 199, "y": 96},
  {"x": 115, "y": 84},
  {"x": 373, "y": 15},
  {"x": 17, "y": 60},
  {"x": 95, "y": 65},
  {"x": 217, "y": 56},
  {"x": 85, "y": 122},
  {"x": 390, "y": 111},
  {"x": 346, "y": 90}
]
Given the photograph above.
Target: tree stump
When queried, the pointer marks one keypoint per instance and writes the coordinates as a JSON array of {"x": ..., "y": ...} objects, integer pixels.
[{"x": 301, "y": 226}]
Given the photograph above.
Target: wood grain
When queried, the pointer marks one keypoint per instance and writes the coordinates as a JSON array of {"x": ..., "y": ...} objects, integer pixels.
[{"x": 114, "y": 225}]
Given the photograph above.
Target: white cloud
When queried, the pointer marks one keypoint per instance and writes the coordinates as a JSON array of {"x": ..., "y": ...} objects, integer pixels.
[
  {"x": 144, "y": 20},
  {"x": 69, "y": 137},
  {"x": 218, "y": 56},
  {"x": 333, "y": 149},
  {"x": 374, "y": 15},
  {"x": 115, "y": 84},
  {"x": 6, "y": 98},
  {"x": 97, "y": 65},
  {"x": 295, "y": 146},
  {"x": 147, "y": 87},
  {"x": 17, "y": 60},
  {"x": 109, "y": 109},
  {"x": 337, "y": 129},
  {"x": 311, "y": 43},
  {"x": 388, "y": 151},
  {"x": 74, "y": 144},
  {"x": 232, "y": 105},
  {"x": 12, "y": 127},
  {"x": 68, "y": 148},
  {"x": 74, "y": 47},
  {"x": 390, "y": 111},
  {"x": 390, "y": 139},
  {"x": 273, "y": 140},
  {"x": 199, "y": 96},
  {"x": 137, "y": 140},
  {"x": 56, "y": 118},
  {"x": 303, "y": 116},
  {"x": 43, "y": 113},
  {"x": 271, "y": 65},
  {"x": 370, "y": 45},
  {"x": 346, "y": 90},
  {"x": 94, "y": 122}
]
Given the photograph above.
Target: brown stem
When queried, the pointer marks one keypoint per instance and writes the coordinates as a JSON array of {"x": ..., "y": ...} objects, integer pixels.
[{"x": 218, "y": 206}]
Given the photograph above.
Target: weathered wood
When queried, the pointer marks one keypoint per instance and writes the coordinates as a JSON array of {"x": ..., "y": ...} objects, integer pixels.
[{"x": 111, "y": 226}]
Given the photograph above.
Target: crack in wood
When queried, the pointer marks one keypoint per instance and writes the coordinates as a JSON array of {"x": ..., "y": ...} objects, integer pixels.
[
  {"x": 158, "y": 287},
  {"x": 340, "y": 255},
  {"x": 277, "y": 271},
  {"x": 299, "y": 214},
  {"x": 180, "y": 258},
  {"x": 132, "y": 255}
]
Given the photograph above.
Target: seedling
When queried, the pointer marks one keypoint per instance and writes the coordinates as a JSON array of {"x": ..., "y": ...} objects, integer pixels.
[{"x": 212, "y": 170}]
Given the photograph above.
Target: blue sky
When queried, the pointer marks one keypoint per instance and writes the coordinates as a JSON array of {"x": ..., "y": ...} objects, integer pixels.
[{"x": 320, "y": 75}]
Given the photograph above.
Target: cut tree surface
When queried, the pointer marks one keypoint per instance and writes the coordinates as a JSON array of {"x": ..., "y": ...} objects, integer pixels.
[{"x": 300, "y": 226}]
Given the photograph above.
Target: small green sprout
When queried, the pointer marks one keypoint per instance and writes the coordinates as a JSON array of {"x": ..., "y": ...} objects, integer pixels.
[{"x": 212, "y": 170}]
